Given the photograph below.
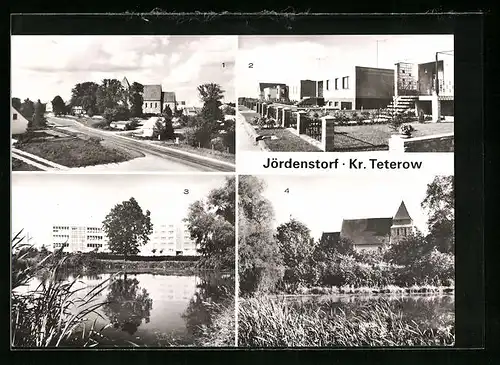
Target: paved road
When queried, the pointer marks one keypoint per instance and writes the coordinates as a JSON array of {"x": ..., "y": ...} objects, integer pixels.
[
  {"x": 156, "y": 158},
  {"x": 245, "y": 141}
]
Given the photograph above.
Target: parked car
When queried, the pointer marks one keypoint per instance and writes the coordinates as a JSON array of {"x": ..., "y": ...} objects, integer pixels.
[{"x": 312, "y": 101}]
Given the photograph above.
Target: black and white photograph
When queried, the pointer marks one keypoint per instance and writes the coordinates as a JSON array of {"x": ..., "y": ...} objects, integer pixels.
[
  {"x": 339, "y": 262},
  {"x": 116, "y": 261},
  {"x": 346, "y": 93},
  {"x": 123, "y": 103}
]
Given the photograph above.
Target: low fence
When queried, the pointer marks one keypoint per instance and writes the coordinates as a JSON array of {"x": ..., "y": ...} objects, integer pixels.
[{"x": 435, "y": 143}]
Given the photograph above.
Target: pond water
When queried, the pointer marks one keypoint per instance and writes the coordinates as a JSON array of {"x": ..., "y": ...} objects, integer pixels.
[{"x": 152, "y": 310}]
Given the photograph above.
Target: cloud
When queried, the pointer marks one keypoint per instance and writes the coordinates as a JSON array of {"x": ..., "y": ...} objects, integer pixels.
[{"x": 45, "y": 66}]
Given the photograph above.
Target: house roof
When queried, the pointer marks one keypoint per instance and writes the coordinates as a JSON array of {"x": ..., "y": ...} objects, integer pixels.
[
  {"x": 263, "y": 85},
  {"x": 368, "y": 231},
  {"x": 152, "y": 92},
  {"x": 402, "y": 213},
  {"x": 168, "y": 97}
]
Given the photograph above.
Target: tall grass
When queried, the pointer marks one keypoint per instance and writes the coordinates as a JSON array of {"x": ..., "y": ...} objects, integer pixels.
[
  {"x": 273, "y": 322},
  {"x": 54, "y": 313},
  {"x": 221, "y": 331}
]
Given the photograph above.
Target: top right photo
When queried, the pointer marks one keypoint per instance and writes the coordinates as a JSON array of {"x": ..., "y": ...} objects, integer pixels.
[{"x": 345, "y": 93}]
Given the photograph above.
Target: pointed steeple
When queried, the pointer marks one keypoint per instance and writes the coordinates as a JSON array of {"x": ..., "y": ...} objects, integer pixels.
[
  {"x": 402, "y": 213},
  {"x": 125, "y": 83}
]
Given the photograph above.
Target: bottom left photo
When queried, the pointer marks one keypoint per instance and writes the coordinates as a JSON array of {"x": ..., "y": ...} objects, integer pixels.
[{"x": 115, "y": 261}]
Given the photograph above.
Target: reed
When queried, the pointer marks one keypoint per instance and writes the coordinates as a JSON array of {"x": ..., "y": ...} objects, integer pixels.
[
  {"x": 275, "y": 322},
  {"x": 55, "y": 313}
]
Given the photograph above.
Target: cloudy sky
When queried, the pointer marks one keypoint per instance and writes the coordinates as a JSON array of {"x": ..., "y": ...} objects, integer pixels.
[
  {"x": 46, "y": 66},
  {"x": 40, "y": 200},
  {"x": 323, "y": 202},
  {"x": 286, "y": 59}
]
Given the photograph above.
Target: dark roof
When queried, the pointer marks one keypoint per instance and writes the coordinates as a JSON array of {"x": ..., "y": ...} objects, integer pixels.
[
  {"x": 263, "y": 85},
  {"x": 168, "y": 97},
  {"x": 152, "y": 92},
  {"x": 369, "y": 231},
  {"x": 402, "y": 213},
  {"x": 330, "y": 236}
]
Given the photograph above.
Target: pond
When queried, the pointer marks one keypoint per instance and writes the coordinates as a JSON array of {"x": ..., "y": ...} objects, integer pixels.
[{"x": 152, "y": 310}]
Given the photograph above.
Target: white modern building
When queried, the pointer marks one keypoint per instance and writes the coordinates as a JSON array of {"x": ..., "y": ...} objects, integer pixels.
[{"x": 79, "y": 238}]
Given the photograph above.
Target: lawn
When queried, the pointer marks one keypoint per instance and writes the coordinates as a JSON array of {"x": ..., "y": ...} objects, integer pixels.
[
  {"x": 74, "y": 152},
  {"x": 224, "y": 156},
  {"x": 376, "y": 137},
  {"x": 18, "y": 165},
  {"x": 286, "y": 142}
]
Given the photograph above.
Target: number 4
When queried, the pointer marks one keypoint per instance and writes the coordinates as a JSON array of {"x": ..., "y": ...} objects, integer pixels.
[{"x": 287, "y": 190}]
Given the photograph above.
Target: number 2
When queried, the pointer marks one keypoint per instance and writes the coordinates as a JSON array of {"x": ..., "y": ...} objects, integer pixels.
[{"x": 250, "y": 65}]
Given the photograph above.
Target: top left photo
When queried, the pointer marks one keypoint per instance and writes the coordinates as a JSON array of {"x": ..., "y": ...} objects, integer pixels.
[{"x": 123, "y": 103}]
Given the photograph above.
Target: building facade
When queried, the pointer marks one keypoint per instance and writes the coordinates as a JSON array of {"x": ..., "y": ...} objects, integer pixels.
[
  {"x": 303, "y": 89},
  {"x": 18, "y": 123},
  {"x": 371, "y": 234},
  {"x": 416, "y": 83},
  {"x": 169, "y": 100},
  {"x": 79, "y": 238},
  {"x": 273, "y": 91},
  {"x": 152, "y": 99},
  {"x": 169, "y": 239},
  {"x": 357, "y": 88}
]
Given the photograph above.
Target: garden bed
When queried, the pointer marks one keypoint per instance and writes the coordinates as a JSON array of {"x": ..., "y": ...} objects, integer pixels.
[{"x": 74, "y": 152}]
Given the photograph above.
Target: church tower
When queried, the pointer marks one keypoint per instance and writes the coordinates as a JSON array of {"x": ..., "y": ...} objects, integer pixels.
[{"x": 402, "y": 224}]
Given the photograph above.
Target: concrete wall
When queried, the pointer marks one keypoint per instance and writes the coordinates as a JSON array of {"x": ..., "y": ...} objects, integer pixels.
[
  {"x": 151, "y": 107},
  {"x": 374, "y": 87},
  {"x": 18, "y": 123},
  {"x": 426, "y": 77},
  {"x": 436, "y": 143},
  {"x": 307, "y": 89}
]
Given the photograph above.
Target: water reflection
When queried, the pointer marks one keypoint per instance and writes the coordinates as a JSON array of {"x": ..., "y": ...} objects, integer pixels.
[{"x": 127, "y": 304}]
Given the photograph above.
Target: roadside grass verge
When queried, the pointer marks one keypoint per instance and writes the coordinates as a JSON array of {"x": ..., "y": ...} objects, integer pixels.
[
  {"x": 286, "y": 142},
  {"x": 54, "y": 314},
  {"x": 274, "y": 322},
  {"x": 18, "y": 165},
  {"x": 74, "y": 152}
]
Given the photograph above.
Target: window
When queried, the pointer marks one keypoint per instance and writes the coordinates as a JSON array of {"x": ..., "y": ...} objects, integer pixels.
[
  {"x": 336, "y": 103},
  {"x": 14, "y": 116},
  {"x": 327, "y": 84},
  {"x": 345, "y": 82},
  {"x": 403, "y": 71},
  {"x": 336, "y": 84},
  {"x": 156, "y": 105}
]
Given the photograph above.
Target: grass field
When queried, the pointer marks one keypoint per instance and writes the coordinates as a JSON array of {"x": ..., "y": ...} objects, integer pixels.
[
  {"x": 286, "y": 142},
  {"x": 266, "y": 321},
  {"x": 18, "y": 165},
  {"x": 74, "y": 152}
]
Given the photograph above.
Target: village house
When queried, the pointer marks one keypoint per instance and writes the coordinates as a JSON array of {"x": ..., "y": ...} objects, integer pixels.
[
  {"x": 155, "y": 100},
  {"x": 18, "y": 123},
  {"x": 169, "y": 100},
  {"x": 303, "y": 89},
  {"x": 371, "y": 234}
]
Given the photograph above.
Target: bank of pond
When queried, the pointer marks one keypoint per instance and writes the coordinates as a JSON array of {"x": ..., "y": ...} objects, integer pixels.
[
  {"x": 347, "y": 320},
  {"x": 141, "y": 308}
]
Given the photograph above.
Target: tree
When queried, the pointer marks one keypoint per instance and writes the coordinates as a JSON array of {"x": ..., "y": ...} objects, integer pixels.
[
  {"x": 58, "y": 106},
  {"x": 168, "y": 113},
  {"x": 136, "y": 100},
  {"x": 27, "y": 109},
  {"x": 120, "y": 112},
  {"x": 16, "y": 103},
  {"x": 38, "y": 121},
  {"x": 110, "y": 94},
  {"x": 211, "y": 94},
  {"x": 439, "y": 203},
  {"x": 260, "y": 264},
  {"x": 127, "y": 304},
  {"x": 229, "y": 137},
  {"x": 211, "y": 224},
  {"x": 163, "y": 129},
  {"x": 296, "y": 247},
  {"x": 407, "y": 250},
  {"x": 85, "y": 95},
  {"x": 127, "y": 228}
]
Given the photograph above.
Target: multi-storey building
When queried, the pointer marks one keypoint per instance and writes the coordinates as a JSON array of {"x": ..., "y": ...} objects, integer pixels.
[
  {"x": 356, "y": 88},
  {"x": 79, "y": 238},
  {"x": 170, "y": 240}
]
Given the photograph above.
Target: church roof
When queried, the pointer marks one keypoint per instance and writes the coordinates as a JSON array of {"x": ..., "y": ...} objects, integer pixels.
[
  {"x": 368, "y": 231},
  {"x": 152, "y": 92},
  {"x": 402, "y": 212},
  {"x": 168, "y": 97}
]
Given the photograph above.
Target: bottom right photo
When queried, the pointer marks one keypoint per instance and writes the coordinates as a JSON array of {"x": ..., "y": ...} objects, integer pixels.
[{"x": 346, "y": 261}]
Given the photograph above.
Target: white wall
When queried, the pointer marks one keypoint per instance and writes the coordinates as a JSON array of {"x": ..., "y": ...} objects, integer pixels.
[{"x": 18, "y": 125}]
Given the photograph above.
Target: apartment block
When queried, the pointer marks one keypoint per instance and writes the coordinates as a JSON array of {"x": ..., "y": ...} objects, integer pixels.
[{"x": 79, "y": 238}]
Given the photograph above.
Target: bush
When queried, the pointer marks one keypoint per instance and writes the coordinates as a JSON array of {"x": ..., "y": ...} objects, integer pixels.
[
  {"x": 114, "y": 114},
  {"x": 340, "y": 118},
  {"x": 218, "y": 144},
  {"x": 90, "y": 113}
]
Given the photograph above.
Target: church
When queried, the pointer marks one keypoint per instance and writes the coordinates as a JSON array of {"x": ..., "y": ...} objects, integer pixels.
[{"x": 370, "y": 234}]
